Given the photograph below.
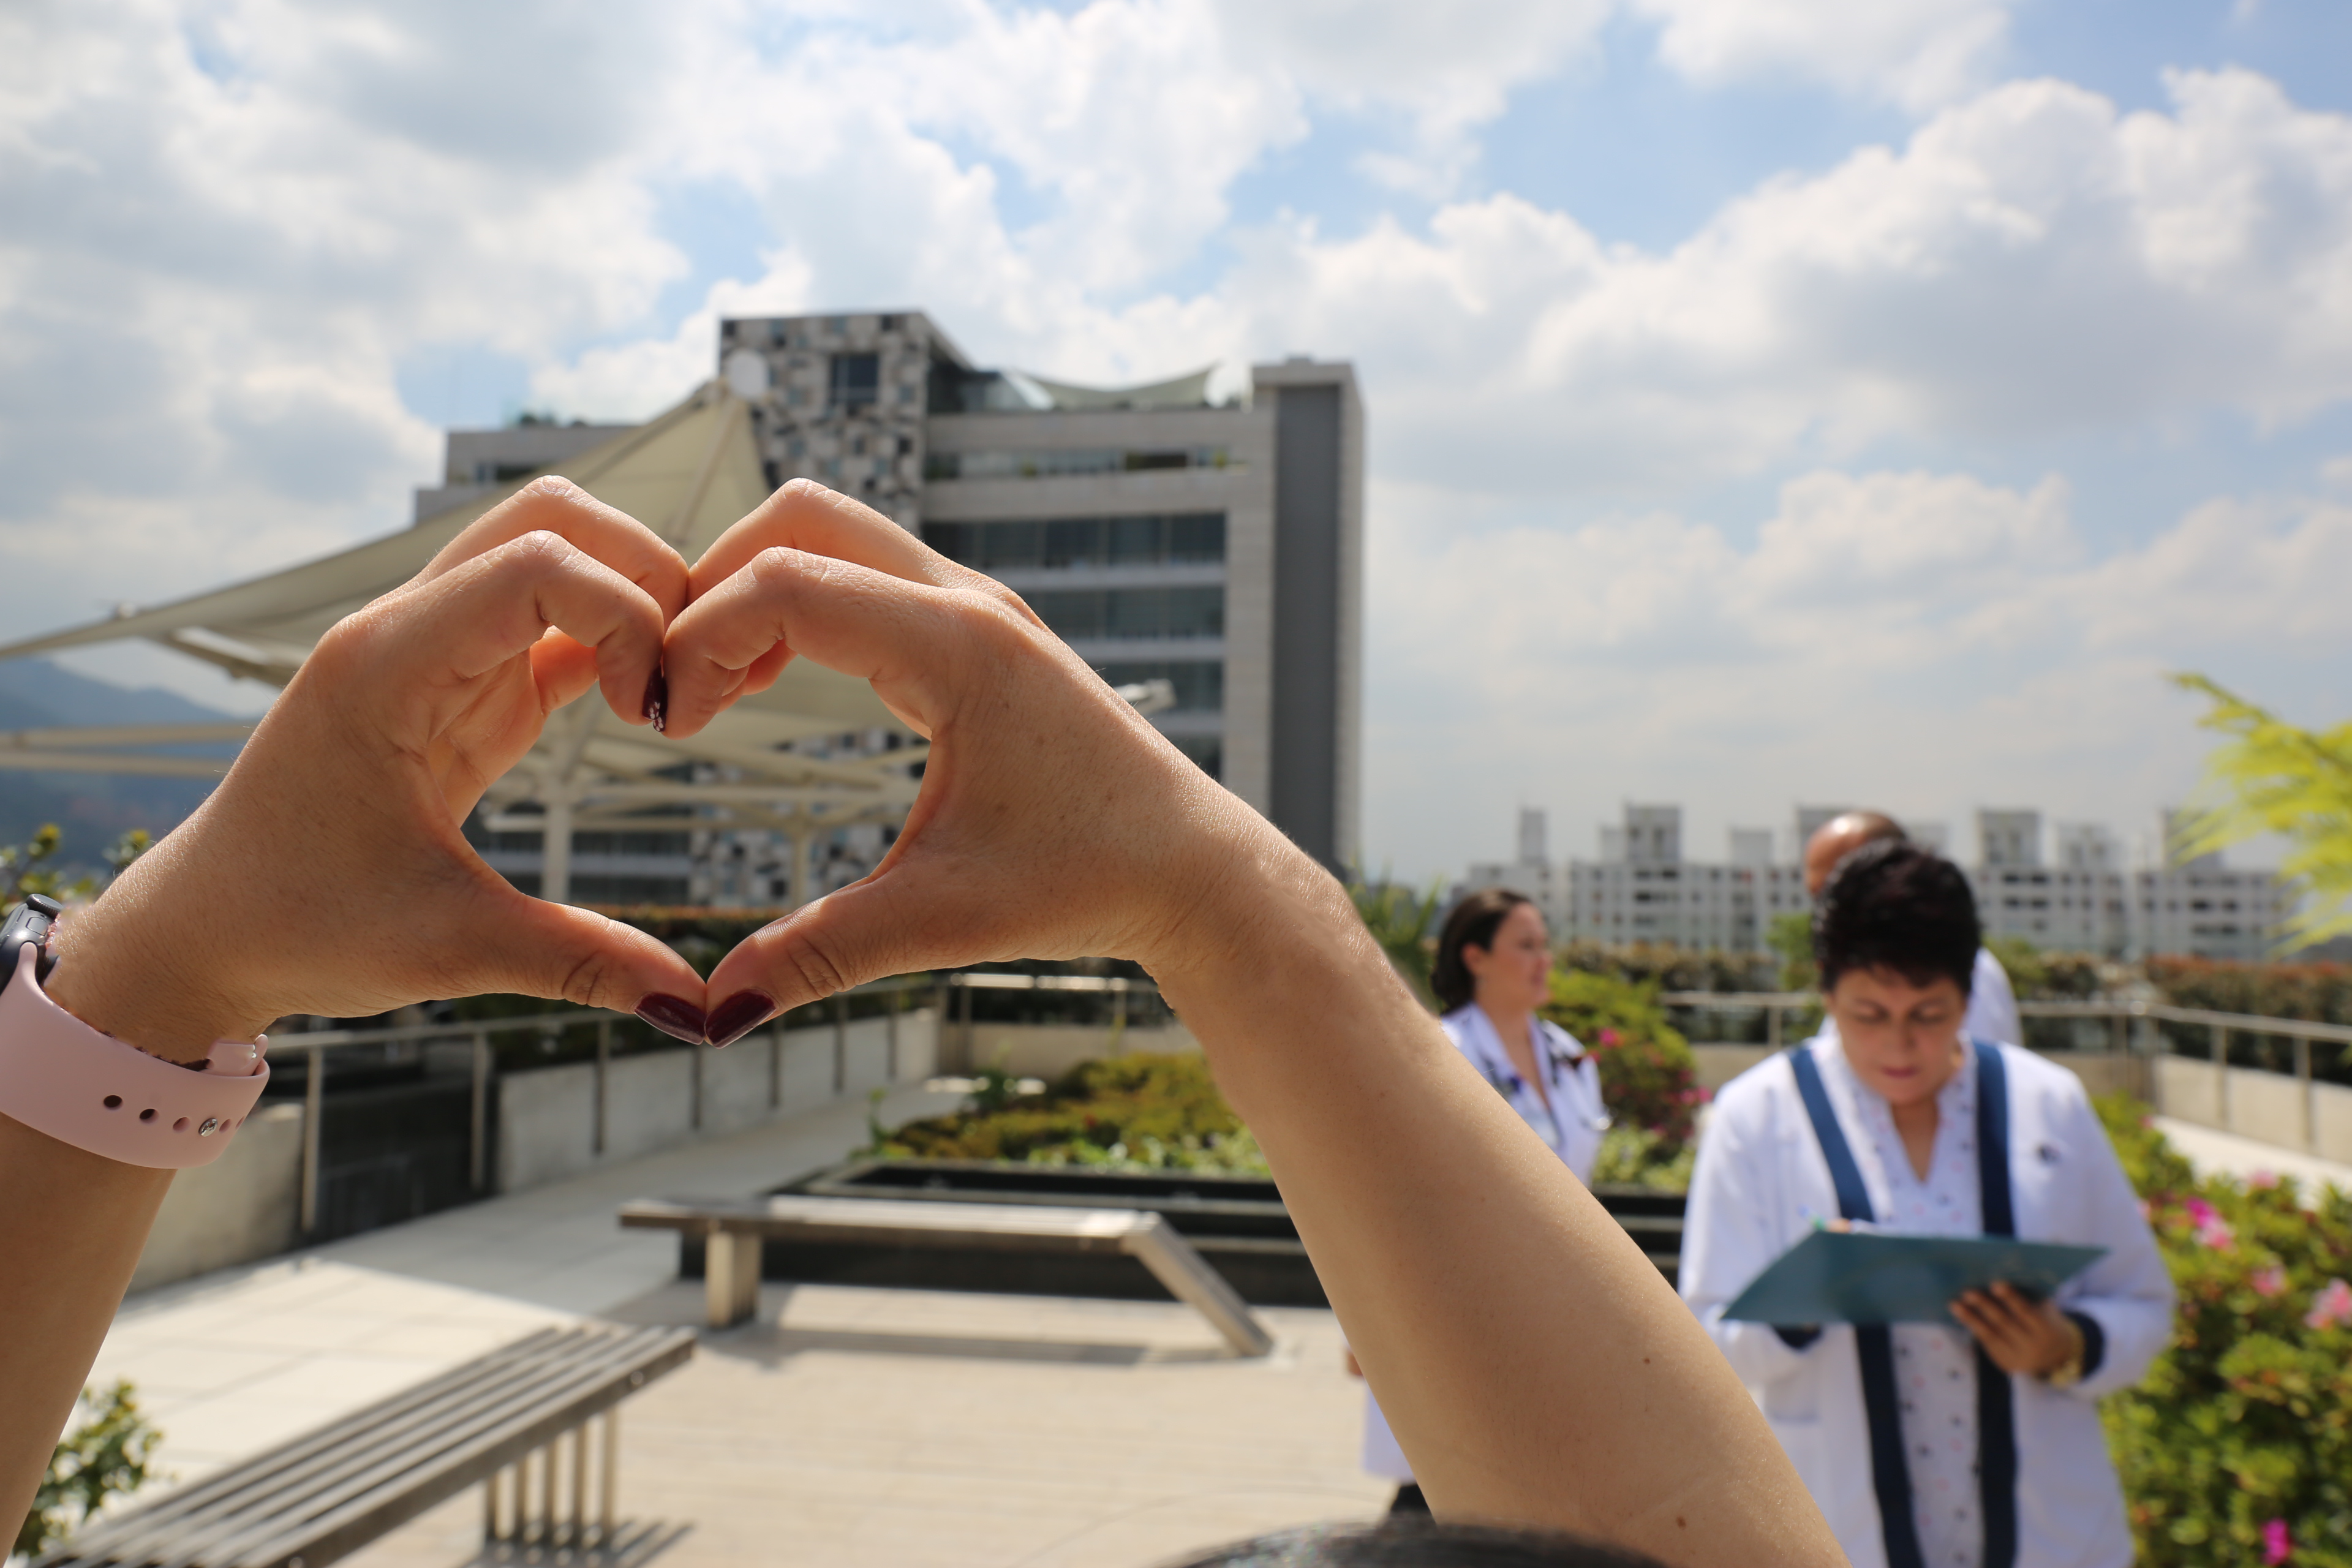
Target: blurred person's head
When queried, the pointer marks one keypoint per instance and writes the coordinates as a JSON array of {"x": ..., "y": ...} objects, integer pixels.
[
  {"x": 1895, "y": 938},
  {"x": 1494, "y": 952},
  {"x": 1417, "y": 1543},
  {"x": 1840, "y": 837}
]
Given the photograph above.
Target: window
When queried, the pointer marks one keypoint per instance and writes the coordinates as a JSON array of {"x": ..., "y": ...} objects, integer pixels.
[
  {"x": 1132, "y": 613},
  {"x": 1200, "y": 683},
  {"x": 1050, "y": 462},
  {"x": 1146, "y": 539},
  {"x": 857, "y": 379}
]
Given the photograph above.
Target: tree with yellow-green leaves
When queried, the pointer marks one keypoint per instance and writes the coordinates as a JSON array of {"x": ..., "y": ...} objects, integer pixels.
[{"x": 2272, "y": 777}]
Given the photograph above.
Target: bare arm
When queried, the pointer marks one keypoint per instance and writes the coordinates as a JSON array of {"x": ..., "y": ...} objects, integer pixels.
[
  {"x": 1535, "y": 1366},
  {"x": 327, "y": 873}
]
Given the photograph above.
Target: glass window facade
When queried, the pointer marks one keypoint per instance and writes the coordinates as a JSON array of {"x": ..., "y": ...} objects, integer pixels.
[
  {"x": 856, "y": 380},
  {"x": 1049, "y": 462},
  {"x": 1200, "y": 683},
  {"x": 1143, "y": 540},
  {"x": 1098, "y": 614}
]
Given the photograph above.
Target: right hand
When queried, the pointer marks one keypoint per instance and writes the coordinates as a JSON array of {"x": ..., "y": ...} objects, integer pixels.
[
  {"x": 330, "y": 872},
  {"x": 1053, "y": 821}
]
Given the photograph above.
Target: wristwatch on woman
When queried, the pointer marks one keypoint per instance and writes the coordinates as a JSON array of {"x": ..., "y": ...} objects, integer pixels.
[{"x": 83, "y": 1086}]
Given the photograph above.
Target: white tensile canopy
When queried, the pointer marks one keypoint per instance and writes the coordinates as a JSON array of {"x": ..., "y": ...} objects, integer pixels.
[{"x": 688, "y": 474}]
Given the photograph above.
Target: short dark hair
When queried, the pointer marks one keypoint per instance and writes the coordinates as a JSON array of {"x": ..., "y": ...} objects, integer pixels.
[
  {"x": 1409, "y": 1542},
  {"x": 1893, "y": 905},
  {"x": 1472, "y": 924}
]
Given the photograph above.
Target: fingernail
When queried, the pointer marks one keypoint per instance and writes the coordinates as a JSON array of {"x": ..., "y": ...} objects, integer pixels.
[
  {"x": 738, "y": 1016},
  {"x": 657, "y": 699},
  {"x": 673, "y": 1015}
]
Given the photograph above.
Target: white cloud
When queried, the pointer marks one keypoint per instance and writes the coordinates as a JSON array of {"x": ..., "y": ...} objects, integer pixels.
[
  {"x": 1921, "y": 54},
  {"x": 2030, "y": 263},
  {"x": 1926, "y": 641}
]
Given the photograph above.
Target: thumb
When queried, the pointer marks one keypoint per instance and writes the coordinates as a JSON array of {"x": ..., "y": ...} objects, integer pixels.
[
  {"x": 893, "y": 923},
  {"x": 533, "y": 947}
]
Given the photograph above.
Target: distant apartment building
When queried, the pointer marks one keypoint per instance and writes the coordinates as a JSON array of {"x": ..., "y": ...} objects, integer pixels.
[
  {"x": 1641, "y": 888},
  {"x": 2083, "y": 897},
  {"x": 2087, "y": 899},
  {"x": 1216, "y": 546}
]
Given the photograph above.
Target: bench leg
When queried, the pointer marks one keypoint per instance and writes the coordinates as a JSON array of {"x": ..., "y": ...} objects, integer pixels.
[
  {"x": 605, "y": 1494},
  {"x": 731, "y": 1278},
  {"x": 1190, "y": 1279}
]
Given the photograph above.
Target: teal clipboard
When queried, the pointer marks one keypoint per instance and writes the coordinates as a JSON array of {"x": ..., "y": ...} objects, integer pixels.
[{"x": 1876, "y": 1276}]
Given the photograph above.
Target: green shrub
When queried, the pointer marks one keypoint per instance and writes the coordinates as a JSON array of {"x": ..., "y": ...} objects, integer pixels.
[
  {"x": 2237, "y": 1446},
  {"x": 1665, "y": 966},
  {"x": 1648, "y": 1077},
  {"x": 111, "y": 1450},
  {"x": 1140, "y": 1112}
]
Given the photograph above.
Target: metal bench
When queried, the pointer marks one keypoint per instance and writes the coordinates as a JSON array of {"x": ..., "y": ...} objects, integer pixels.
[
  {"x": 332, "y": 1491},
  {"x": 732, "y": 1230}
]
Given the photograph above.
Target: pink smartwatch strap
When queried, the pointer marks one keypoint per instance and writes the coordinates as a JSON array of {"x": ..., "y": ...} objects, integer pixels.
[{"x": 61, "y": 1076}]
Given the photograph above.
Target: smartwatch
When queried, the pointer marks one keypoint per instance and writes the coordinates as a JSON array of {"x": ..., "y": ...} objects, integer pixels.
[{"x": 83, "y": 1086}]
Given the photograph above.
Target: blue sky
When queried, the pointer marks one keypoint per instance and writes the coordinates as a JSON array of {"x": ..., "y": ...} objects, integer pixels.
[{"x": 1771, "y": 401}]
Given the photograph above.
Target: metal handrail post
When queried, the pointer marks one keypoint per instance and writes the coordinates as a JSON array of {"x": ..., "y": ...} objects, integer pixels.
[
  {"x": 1772, "y": 1026},
  {"x": 603, "y": 1073},
  {"x": 2221, "y": 1074},
  {"x": 477, "y": 1141},
  {"x": 314, "y": 1109},
  {"x": 2310, "y": 1098}
]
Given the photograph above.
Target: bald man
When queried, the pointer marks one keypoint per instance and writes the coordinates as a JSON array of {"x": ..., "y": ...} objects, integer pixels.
[{"x": 1992, "y": 1005}]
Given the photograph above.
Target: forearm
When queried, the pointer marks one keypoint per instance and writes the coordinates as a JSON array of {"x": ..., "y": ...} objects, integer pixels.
[
  {"x": 1533, "y": 1362},
  {"x": 70, "y": 1232}
]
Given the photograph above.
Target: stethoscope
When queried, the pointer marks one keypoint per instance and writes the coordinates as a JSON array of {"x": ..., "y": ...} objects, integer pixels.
[{"x": 1559, "y": 1065}]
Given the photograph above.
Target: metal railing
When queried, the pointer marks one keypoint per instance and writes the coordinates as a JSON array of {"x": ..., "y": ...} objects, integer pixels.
[
  {"x": 476, "y": 1034},
  {"x": 2122, "y": 1038}
]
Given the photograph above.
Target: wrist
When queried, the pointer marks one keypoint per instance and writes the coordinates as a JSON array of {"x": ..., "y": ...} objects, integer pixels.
[{"x": 126, "y": 970}]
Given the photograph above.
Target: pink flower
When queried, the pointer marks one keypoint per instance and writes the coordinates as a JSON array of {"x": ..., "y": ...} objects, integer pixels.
[
  {"x": 2331, "y": 1307},
  {"x": 2276, "y": 1544},
  {"x": 2213, "y": 1231},
  {"x": 2200, "y": 1210},
  {"x": 2263, "y": 1180},
  {"x": 2271, "y": 1282},
  {"x": 1610, "y": 1038}
]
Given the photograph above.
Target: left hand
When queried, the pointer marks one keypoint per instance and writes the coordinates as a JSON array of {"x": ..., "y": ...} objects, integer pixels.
[{"x": 2021, "y": 1334}]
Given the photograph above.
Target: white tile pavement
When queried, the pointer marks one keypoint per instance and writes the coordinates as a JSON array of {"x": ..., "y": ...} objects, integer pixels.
[{"x": 232, "y": 1363}]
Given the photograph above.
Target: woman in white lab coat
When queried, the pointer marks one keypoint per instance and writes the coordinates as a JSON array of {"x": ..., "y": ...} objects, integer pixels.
[
  {"x": 1927, "y": 1446},
  {"x": 1492, "y": 971}
]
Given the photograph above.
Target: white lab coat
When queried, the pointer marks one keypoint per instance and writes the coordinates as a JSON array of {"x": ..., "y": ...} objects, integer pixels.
[
  {"x": 1572, "y": 1125},
  {"x": 1761, "y": 1180}
]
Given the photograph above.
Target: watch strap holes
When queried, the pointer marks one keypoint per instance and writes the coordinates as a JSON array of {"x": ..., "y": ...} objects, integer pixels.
[
  {"x": 181, "y": 1125},
  {"x": 148, "y": 1114},
  {"x": 113, "y": 1102}
]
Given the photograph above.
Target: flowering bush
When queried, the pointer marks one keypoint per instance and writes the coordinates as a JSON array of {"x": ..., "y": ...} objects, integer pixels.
[
  {"x": 1136, "y": 1112},
  {"x": 1648, "y": 1076},
  {"x": 2237, "y": 1446}
]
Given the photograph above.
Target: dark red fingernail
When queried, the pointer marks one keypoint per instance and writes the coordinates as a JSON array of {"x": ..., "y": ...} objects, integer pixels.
[
  {"x": 657, "y": 699},
  {"x": 673, "y": 1015},
  {"x": 738, "y": 1016}
]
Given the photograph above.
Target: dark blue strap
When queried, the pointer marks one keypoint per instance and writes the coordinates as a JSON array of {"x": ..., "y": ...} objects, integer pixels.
[
  {"x": 1890, "y": 1474},
  {"x": 1995, "y": 1406},
  {"x": 1854, "y": 1198}
]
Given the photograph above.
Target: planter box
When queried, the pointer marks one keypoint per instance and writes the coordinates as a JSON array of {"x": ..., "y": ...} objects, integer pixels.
[{"x": 1238, "y": 1223}]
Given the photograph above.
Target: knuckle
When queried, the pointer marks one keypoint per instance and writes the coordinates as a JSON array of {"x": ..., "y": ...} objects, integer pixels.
[{"x": 805, "y": 957}]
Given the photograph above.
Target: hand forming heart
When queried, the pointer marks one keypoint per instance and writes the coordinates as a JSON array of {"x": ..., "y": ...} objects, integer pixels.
[{"x": 329, "y": 873}]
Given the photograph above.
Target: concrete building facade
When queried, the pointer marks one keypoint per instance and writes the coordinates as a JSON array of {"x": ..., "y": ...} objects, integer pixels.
[
  {"x": 2083, "y": 898},
  {"x": 1216, "y": 546}
]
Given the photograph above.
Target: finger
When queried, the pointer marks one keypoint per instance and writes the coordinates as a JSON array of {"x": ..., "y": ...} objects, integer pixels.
[
  {"x": 865, "y": 931},
  {"x": 557, "y": 506},
  {"x": 484, "y": 611},
  {"x": 804, "y": 515},
  {"x": 908, "y": 639},
  {"x": 525, "y": 946}
]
